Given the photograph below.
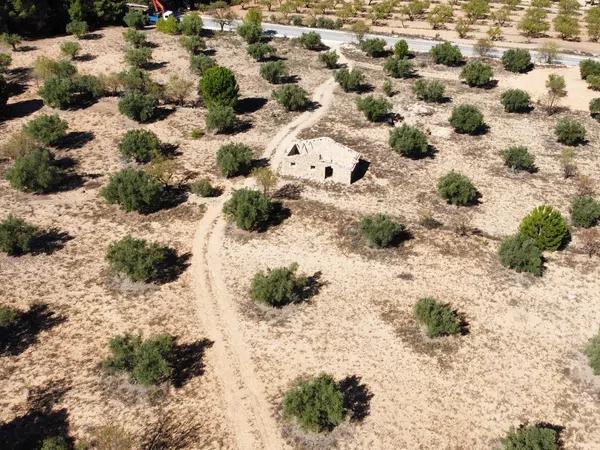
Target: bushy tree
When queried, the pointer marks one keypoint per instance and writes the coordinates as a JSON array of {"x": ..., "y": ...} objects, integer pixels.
[
  {"x": 515, "y": 101},
  {"x": 201, "y": 63},
  {"x": 438, "y": 318},
  {"x": 140, "y": 145},
  {"x": 521, "y": 254},
  {"x": 457, "y": 189},
  {"x": 260, "y": 51},
  {"x": 234, "y": 159},
  {"x": 311, "y": 40},
  {"x": 138, "y": 259},
  {"x": 381, "y": 230},
  {"x": 58, "y": 92},
  {"x": 168, "y": 25},
  {"x": 44, "y": 68},
  {"x": 536, "y": 437},
  {"x": 446, "y": 54},
  {"x": 375, "y": 109},
  {"x": 46, "y": 129},
  {"x": 595, "y": 108},
  {"x": 398, "y": 67},
  {"x": 292, "y": 97},
  {"x": 373, "y": 47},
  {"x": 350, "y": 80},
  {"x": 439, "y": 16},
  {"x": 218, "y": 86},
  {"x": 570, "y": 131},
  {"x": 250, "y": 32},
  {"x": 317, "y": 403},
  {"x": 401, "y": 49},
  {"x": 277, "y": 287},
  {"x": 138, "y": 106},
  {"x": 476, "y": 9},
  {"x": 135, "y": 20},
  {"x": 273, "y": 71},
  {"x": 109, "y": 12},
  {"x": 134, "y": 190},
  {"x": 35, "y": 172},
  {"x": 567, "y": 26},
  {"x": 191, "y": 24},
  {"x": 585, "y": 211},
  {"x": 534, "y": 23},
  {"x": 220, "y": 119},
  {"x": 592, "y": 20},
  {"x": 70, "y": 49},
  {"x": 329, "y": 58},
  {"x": 138, "y": 80},
  {"x": 519, "y": 158},
  {"x": 429, "y": 90},
  {"x": 589, "y": 67},
  {"x": 466, "y": 119},
  {"x": 16, "y": 236},
  {"x": 477, "y": 74},
  {"x": 409, "y": 141},
  {"x": 138, "y": 57},
  {"x": 517, "y": 60},
  {"x": 546, "y": 226},
  {"x": 249, "y": 209}
]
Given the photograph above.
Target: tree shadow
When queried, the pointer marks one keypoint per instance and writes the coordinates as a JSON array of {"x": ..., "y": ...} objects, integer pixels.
[
  {"x": 172, "y": 433},
  {"x": 75, "y": 139},
  {"x": 289, "y": 191},
  {"x": 153, "y": 65},
  {"x": 357, "y": 398},
  {"x": 311, "y": 287},
  {"x": 360, "y": 170},
  {"x": 92, "y": 36},
  {"x": 86, "y": 57},
  {"x": 241, "y": 126},
  {"x": 22, "y": 109},
  {"x": 15, "y": 88},
  {"x": 49, "y": 242},
  {"x": 364, "y": 88},
  {"x": 289, "y": 79},
  {"x": 172, "y": 197},
  {"x": 28, "y": 431},
  {"x": 250, "y": 105},
  {"x": 189, "y": 361},
  {"x": 17, "y": 337},
  {"x": 257, "y": 164},
  {"x": 26, "y": 48},
  {"x": 161, "y": 114},
  {"x": 278, "y": 214},
  {"x": 174, "y": 265}
]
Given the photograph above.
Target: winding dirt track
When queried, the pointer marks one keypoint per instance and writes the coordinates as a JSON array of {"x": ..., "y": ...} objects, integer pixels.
[{"x": 246, "y": 406}]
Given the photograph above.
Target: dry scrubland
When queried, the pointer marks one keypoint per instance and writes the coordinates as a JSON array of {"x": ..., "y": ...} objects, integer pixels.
[{"x": 521, "y": 360}]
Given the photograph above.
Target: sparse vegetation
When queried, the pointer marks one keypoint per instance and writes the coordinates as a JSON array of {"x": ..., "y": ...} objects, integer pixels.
[
  {"x": 438, "y": 318},
  {"x": 585, "y": 211},
  {"x": 260, "y": 51},
  {"x": 204, "y": 188},
  {"x": 274, "y": 71},
  {"x": 570, "y": 131}
]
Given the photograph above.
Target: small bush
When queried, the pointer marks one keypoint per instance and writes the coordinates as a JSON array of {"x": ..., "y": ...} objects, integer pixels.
[
  {"x": 429, "y": 90},
  {"x": 521, "y": 254},
  {"x": 168, "y": 25},
  {"x": 58, "y": 92},
  {"x": 311, "y": 40},
  {"x": 204, "y": 188},
  {"x": 260, "y": 51},
  {"x": 218, "y": 86},
  {"x": 16, "y": 236},
  {"x": 78, "y": 28},
  {"x": 5, "y": 62},
  {"x": 388, "y": 88},
  {"x": 477, "y": 74},
  {"x": 515, "y": 101},
  {"x": 401, "y": 49},
  {"x": 177, "y": 89},
  {"x": 251, "y": 32},
  {"x": 133, "y": 190},
  {"x": 589, "y": 67},
  {"x": 570, "y": 131},
  {"x": 517, "y": 60},
  {"x": 191, "y": 24},
  {"x": 234, "y": 159},
  {"x": 398, "y": 67},
  {"x": 350, "y": 80},
  {"x": 316, "y": 403},
  {"x": 201, "y": 63},
  {"x": 140, "y": 145},
  {"x": 277, "y": 287},
  {"x": 373, "y": 47},
  {"x": 409, "y": 141},
  {"x": 273, "y": 71},
  {"x": 137, "y": 259},
  {"x": 138, "y": 57},
  {"x": 292, "y": 97},
  {"x": 446, "y": 54},
  {"x": 70, "y": 49},
  {"x": 193, "y": 44},
  {"x": 375, "y": 109},
  {"x": 46, "y": 129},
  {"x": 135, "y": 38},
  {"x": 532, "y": 437},
  {"x": 466, "y": 119},
  {"x": 439, "y": 318},
  {"x": 457, "y": 189},
  {"x": 594, "y": 82},
  {"x": 147, "y": 362},
  {"x": 8, "y": 316},
  {"x": 595, "y": 109},
  {"x": 35, "y": 172},
  {"x": 138, "y": 106},
  {"x": 546, "y": 226},
  {"x": 518, "y": 158},
  {"x": 585, "y": 211},
  {"x": 135, "y": 19},
  {"x": 220, "y": 119},
  {"x": 329, "y": 59},
  {"x": 380, "y": 230},
  {"x": 249, "y": 209}
]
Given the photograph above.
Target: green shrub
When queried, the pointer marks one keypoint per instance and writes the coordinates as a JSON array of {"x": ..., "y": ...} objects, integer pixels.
[
  {"x": 135, "y": 19},
  {"x": 569, "y": 131},
  {"x": 467, "y": 119},
  {"x": 16, "y": 236},
  {"x": 373, "y": 47},
  {"x": 260, "y": 51},
  {"x": 70, "y": 49},
  {"x": 398, "y": 67},
  {"x": 477, "y": 74},
  {"x": 55, "y": 443},
  {"x": 35, "y": 172},
  {"x": 546, "y": 227},
  {"x": 317, "y": 403},
  {"x": 147, "y": 362},
  {"x": 387, "y": 88},
  {"x": 409, "y": 141},
  {"x": 58, "y": 92},
  {"x": 585, "y": 211},
  {"x": 133, "y": 190},
  {"x": 375, "y": 109},
  {"x": 518, "y": 158},
  {"x": 329, "y": 59},
  {"x": 273, "y": 71},
  {"x": 46, "y": 129},
  {"x": 5, "y": 62},
  {"x": 595, "y": 108},
  {"x": 277, "y": 287},
  {"x": 138, "y": 80},
  {"x": 234, "y": 159},
  {"x": 429, "y": 90},
  {"x": 168, "y": 25},
  {"x": 220, "y": 119},
  {"x": 137, "y": 259},
  {"x": 457, "y": 189},
  {"x": 218, "y": 86},
  {"x": 138, "y": 57},
  {"x": 250, "y": 32},
  {"x": 531, "y": 438},
  {"x": 592, "y": 351},
  {"x": 191, "y": 24},
  {"x": 350, "y": 80},
  {"x": 594, "y": 82},
  {"x": 201, "y": 63},
  {"x": 521, "y": 254},
  {"x": 515, "y": 101},
  {"x": 204, "y": 188},
  {"x": 446, "y": 54},
  {"x": 249, "y": 209},
  {"x": 380, "y": 230},
  {"x": 517, "y": 60},
  {"x": 8, "y": 316},
  {"x": 78, "y": 28},
  {"x": 401, "y": 49},
  {"x": 135, "y": 38},
  {"x": 193, "y": 44},
  {"x": 311, "y": 40},
  {"x": 292, "y": 97},
  {"x": 589, "y": 67},
  {"x": 89, "y": 87},
  {"x": 140, "y": 145},
  {"x": 138, "y": 106},
  {"x": 439, "y": 318}
]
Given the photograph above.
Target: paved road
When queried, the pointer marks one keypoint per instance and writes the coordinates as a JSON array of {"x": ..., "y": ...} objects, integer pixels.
[{"x": 337, "y": 37}]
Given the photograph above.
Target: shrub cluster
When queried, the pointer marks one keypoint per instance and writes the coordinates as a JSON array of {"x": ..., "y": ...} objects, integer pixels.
[
  {"x": 429, "y": 90},
  {"x": 16, "y": 236},
  {"x": 409, "y": 141},
  {"x": 140, "y": 145},
  {"x": 457, "y": 189},
  {"x": 77, "y": 28},
  {"x": 292, "y": 97},
  {"x": 375, "y": 109},
  {"x": 218, "y": 86},
  {"x": 277, "y": 287},
  {"x": 592, "y": 351},
  {"x": 138, "y": 57},
  {"x": 546, "y": 226},
  {"x": 380, "y": 230},
  {"x": 531, "y": 437},
  {"x": 350, "y": 80},
  {"x": 135, "y": 38},
  {"x": 585, "y": 211},
  {"x": 519, "y": 158},
  {"x": 137, "y": 259},
  {"x": 517, "y": 60},
  {"x": 234, "y": 159},
  {"x": 398, "y": 67},
  {"x": 133, "y": 190},
  {"x": 373, "y": 47},
  {"x": 62, "y": 92},
  {"x": 477, "y": 74},
  {"x": 522, "y": 254},
  {"x": 569, "y": 131},
  {"x": 249, "y": 209},
  {"x": 446, "y": 54},
  {"x": 466, "y": 119},
  {"x": 515, "y": 101},
  {"x": 220, "y": 119},
  {"x": 439, "y": 318},
  {"x": 35, "y": 172},
  {"x": 46, "y": 129},
  {"x": 70, "y": 49},
  {"x": 311, "y": 40}
]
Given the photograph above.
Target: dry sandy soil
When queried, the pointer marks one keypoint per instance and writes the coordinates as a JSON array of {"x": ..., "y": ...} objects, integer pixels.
[{"x": 520, "y": 361}]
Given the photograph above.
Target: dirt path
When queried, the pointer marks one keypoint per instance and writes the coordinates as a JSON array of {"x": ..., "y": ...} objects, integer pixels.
[{"x": 250, "y": 414}]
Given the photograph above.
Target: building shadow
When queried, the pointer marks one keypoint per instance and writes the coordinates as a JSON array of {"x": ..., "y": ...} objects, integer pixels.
[{"x": 360, "y": 170}]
